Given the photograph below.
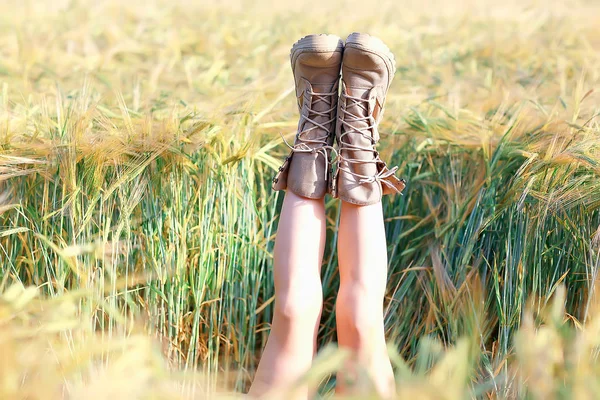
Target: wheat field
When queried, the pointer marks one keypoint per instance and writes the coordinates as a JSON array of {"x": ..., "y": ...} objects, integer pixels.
[{"x": 137, "y": 145}]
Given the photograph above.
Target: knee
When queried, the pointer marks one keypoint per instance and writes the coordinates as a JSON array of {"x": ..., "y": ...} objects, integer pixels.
[
  {"x": 359, "y": 309},
  {"x": 299, "y": 304}
]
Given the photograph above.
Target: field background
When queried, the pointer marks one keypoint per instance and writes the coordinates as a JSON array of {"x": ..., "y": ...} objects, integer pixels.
[{"x": 137, "y": 144}]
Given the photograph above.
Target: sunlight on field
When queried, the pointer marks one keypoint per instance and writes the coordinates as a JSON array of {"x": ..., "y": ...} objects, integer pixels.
[{"x": 137, "y": 144}]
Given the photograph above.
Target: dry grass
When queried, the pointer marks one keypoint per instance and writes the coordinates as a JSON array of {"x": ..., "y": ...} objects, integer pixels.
[{"x": 137, "y": 142}]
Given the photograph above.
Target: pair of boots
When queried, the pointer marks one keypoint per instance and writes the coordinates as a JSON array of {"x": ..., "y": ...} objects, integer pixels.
[{"x": 367, "y": 67}]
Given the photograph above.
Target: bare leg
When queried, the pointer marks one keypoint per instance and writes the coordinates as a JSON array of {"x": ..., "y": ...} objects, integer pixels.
[
  {"x": 298, "y": 255},
  {"x": 362, "y": 255}
]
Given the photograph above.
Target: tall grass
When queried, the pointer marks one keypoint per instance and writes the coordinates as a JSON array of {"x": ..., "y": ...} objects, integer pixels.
[{"x": 137, "y": 143}]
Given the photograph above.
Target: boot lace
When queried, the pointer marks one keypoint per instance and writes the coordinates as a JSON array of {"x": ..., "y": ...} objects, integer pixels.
[
  {"x": 347, "y": 119},
  {"x": 302, "y": 143}
]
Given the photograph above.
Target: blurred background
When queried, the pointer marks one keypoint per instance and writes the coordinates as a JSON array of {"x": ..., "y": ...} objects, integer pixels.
[{"x": 137, "y": 145}]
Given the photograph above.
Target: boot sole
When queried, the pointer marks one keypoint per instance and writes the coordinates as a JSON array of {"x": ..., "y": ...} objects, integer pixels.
[
  {"x": 318, "y": 43},
  {"x": 372, "y": 44}
]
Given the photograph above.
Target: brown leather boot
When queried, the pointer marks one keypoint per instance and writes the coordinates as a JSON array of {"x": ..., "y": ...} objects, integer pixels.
[
  {"x": 368, "y": 67},
  {"x": 316, "y": 61}
]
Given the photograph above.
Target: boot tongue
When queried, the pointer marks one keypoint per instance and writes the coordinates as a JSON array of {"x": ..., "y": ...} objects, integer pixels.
[
  {"x": 360, "y": 109},
  {"x": 316, "y": 103}
]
